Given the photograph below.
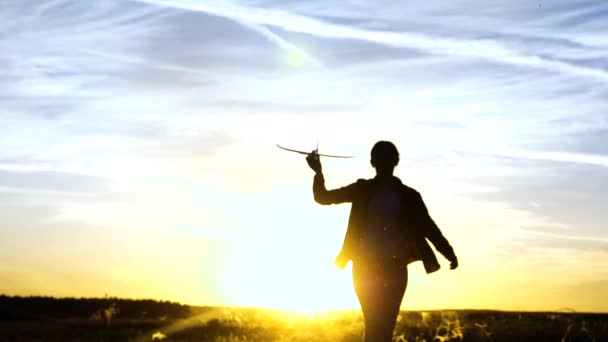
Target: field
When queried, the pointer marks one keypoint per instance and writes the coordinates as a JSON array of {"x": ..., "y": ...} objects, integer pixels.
[
  {"x": 241, "y": 324},
  {"x": 114, "y": 319}
]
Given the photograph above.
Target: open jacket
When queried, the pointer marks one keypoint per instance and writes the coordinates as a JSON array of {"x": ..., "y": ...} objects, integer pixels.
[{"x": 416, "y": 224}]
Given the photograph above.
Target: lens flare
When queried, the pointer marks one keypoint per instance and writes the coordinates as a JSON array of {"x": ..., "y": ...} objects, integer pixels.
[{"x": 296, "y": 57}]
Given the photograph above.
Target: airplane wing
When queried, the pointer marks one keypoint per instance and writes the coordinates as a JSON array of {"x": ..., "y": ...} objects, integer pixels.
[
  {"x": 288, "y": 149},
  {"x": 307, "y": 153},
  {"x": 332, "y": 156}
]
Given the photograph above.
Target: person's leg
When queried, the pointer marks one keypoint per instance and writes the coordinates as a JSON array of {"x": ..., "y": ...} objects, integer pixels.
[
  {"x": 394, "y": 281},
  {"x": 367, "y": 287},
  {"x": 380, "y": 290}
]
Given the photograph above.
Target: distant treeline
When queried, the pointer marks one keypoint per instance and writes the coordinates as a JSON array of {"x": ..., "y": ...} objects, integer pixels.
[{"x": 44, "y": 308}]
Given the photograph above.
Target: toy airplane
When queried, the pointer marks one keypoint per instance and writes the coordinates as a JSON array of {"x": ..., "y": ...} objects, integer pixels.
[{"x": 315, "y": 151}]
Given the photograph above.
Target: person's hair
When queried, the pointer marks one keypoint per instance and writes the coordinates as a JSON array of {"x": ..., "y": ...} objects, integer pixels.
[{"x": 385, "y": 150}]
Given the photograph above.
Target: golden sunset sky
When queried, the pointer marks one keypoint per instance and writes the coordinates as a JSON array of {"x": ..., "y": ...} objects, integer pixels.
[{"x": 138, "y": 153}]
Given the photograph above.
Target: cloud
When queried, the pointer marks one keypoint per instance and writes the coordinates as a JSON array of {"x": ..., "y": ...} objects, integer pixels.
[
  {"x": 275, "y": 38},
  {"x": 566, "y": 157},
  {"x": 544, "y": 190},
  {"x": 565, "y": 242},
  {"x": 480, "y": 48},
  {"x": 50, "y": 181}
]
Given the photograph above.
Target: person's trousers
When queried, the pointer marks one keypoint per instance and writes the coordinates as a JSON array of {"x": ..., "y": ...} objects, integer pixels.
[{"x": 380, "y": 286}]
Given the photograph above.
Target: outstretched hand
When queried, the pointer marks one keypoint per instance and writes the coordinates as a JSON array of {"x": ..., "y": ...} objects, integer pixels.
[
  {"x": 314, "y": 162},
  {"x": 454, "y": 263}
]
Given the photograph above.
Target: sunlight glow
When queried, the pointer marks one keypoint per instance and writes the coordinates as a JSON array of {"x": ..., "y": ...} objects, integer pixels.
[
  {"x": 291, "y": 272},
  {"x": 296, "y": 57}
]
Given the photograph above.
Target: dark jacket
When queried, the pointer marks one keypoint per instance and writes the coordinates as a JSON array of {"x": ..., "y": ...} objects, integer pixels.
[{"x": 417, "y": 225}]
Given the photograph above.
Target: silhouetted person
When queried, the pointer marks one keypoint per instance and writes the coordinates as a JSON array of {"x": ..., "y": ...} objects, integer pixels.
[{"x": 387, "y": 229}]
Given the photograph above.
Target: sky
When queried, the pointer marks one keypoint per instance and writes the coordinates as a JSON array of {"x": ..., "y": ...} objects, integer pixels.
[{"x": 138, "y": 155}]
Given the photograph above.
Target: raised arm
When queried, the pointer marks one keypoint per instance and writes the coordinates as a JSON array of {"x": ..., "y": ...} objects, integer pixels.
[
  {"x": 335, "y": 196},
  {"x": 321, "y": 194},
  {"x": 433, "y": 233}
]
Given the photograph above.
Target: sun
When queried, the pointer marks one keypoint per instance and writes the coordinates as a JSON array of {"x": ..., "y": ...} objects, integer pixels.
[
  {"x": 289, "y": 272},
  {"x": 296, "y": 57}
]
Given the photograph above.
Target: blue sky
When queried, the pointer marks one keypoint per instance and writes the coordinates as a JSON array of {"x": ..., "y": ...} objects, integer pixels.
[{"x": 139, "y": 135}]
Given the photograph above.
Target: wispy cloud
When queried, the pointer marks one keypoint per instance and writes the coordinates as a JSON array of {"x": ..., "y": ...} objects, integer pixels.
[
  {"x": 481, "y": 48},
  {"x": 564, "y": 157}
]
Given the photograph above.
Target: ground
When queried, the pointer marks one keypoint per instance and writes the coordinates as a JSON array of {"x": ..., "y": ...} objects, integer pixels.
[{"x": 234, "y": 324}]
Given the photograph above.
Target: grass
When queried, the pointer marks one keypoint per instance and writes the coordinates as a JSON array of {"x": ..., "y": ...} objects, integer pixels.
[{"x": 237, "y": 325}]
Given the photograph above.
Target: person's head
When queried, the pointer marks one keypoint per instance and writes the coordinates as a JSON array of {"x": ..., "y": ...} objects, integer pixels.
[{"x": 384, "y": 157}]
